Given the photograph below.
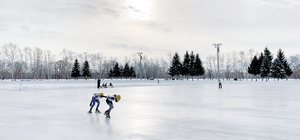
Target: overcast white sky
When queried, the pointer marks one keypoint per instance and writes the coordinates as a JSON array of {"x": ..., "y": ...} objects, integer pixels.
[{"x": 120, "y": 28}]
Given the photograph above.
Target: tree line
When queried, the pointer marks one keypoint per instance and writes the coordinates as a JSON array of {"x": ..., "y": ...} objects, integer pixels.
[
  {"x": 122, "y": 72},
  {"x": 116, "y": 72},
  {"x": 86, "y": 72},
  {"x": 190, "y": 66},
  {"x": 35, "y": 63},
  {"x": 262, "y": 65}
]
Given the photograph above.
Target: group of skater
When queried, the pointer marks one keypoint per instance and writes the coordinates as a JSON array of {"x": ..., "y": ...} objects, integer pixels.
[
  {"x": 103, "y": 85},
  {"x": 109, "y": 100}
]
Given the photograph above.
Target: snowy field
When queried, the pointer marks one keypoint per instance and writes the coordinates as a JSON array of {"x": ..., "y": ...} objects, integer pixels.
[{"x": 148, "y": 110}]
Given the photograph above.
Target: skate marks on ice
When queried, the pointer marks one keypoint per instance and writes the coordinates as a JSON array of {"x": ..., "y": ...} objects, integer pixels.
[{"x": 176, "y": 110}]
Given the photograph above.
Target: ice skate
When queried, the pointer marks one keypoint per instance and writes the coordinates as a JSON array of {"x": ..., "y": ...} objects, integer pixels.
[
  {"x": 105, "y": 113},
  {"x": 108, "y": 115},
  {"x": 97, "y": 111}
]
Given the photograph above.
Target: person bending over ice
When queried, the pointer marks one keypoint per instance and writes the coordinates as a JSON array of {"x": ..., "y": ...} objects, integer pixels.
[
  {"x": 111, "y": 85},
  {"x": 95, "y": 98},
  {"x": 220, "y": 84},
  {"x": 109, "y": 101}
]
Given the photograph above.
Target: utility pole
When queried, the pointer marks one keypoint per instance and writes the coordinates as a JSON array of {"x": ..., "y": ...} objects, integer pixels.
[
  {"x": 218, "y": 50},
  {"x": 140, "y": 54}
]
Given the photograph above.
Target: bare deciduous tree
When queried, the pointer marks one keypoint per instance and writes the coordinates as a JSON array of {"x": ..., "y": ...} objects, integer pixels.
[
  {"x": 209, "y": 66},
  {"x": 49, "y": 63},
  {"x": 37, "y": 63},
  {"x": 28, "y": 57},
  {"x": 295, "y": 64},
  {"x": 164, "y": 67},
  {"x": 67, "y": 60},
  {"x": 11, "y": 50}
]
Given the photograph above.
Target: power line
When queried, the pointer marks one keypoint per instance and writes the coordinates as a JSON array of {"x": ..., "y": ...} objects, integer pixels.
[
  {"x": 218, "y": 50},
  {"x": 140, "y": 54}
]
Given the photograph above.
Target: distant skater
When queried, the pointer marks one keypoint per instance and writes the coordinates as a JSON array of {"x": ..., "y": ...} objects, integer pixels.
[
  {"x": 111, "y": 85},
  {"x": 220, "y": 84},
  {"x": 109, "y": 101},
  {"x": 95, "y": 99}
]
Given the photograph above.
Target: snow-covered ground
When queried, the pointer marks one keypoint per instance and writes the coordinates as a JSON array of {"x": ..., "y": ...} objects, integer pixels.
[{"x": 148, "y": 110}]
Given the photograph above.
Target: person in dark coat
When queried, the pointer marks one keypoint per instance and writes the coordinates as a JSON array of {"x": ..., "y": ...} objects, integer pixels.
[
  {"x": 98, "y": 83},
  {"x": 111, "y": 85},
  {"x": 220, "y": 84}
]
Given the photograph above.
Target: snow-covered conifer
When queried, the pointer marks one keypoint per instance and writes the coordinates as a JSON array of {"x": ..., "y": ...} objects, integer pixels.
[
  {"x": 198, "y": 66},
  {"x": 265, "y": 68},
  {"x": 277, "y": 69},
  {"x": 254, "y": 67},
  {"x": 185, "y": 65},
  {"x": 286, "y": 66},
  {"x": 86, "y": 72},
  {"x": 175, "y": 67},
  {"x": 75, "y": 71}
]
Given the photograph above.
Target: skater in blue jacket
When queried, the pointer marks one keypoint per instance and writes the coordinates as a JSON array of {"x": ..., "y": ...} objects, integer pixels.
[
  {"x": 109, "y": 100},
  {"x": 95, "y": 98}
]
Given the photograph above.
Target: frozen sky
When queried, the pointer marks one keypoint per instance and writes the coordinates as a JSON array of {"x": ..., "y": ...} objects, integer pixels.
[{"x": 120, "y": 28}]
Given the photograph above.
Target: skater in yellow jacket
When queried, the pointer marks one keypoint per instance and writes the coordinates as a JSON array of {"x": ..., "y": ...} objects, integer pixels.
[{"x": 109, "y": 101}]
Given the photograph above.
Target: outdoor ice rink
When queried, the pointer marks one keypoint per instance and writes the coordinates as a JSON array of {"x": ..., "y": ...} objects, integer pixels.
[{"x": 148, "y": 110}]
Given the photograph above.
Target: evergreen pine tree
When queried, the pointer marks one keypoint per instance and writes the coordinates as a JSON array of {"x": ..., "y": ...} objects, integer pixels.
[
  {"x": 121, "y": 72},
  {"x": 111, "y": 74},
  {"x": 75, "y": 71},
  {"x": 280, "y": 56},
  {"x": 126, "y": 71},
  {"x": 257, "y": 68},
  {"x": 277, "y": 69},
  {"x": 86, "y": 70},
  {"x": 286, "y": 66},
  {"x": 116, "y": 70},
  {"x": 288, "y": 70},
  {"x": 131, "y": 72},
  {"x": 265, "y": 69},
  {"x": 267, "y": 53},
  {"x": 175, "y": 67},
  {"x": 254, "y": 67},
  {"x": 198, "y": 66},
  {"x": 185, "y": 65},
  {"x": 260, "y": 61},
  {"x": 192, "y": 69},
  {"x": 172, "y": 71}
]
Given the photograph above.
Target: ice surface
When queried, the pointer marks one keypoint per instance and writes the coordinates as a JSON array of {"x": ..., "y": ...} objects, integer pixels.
[{"x": 151, "y": 111}]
